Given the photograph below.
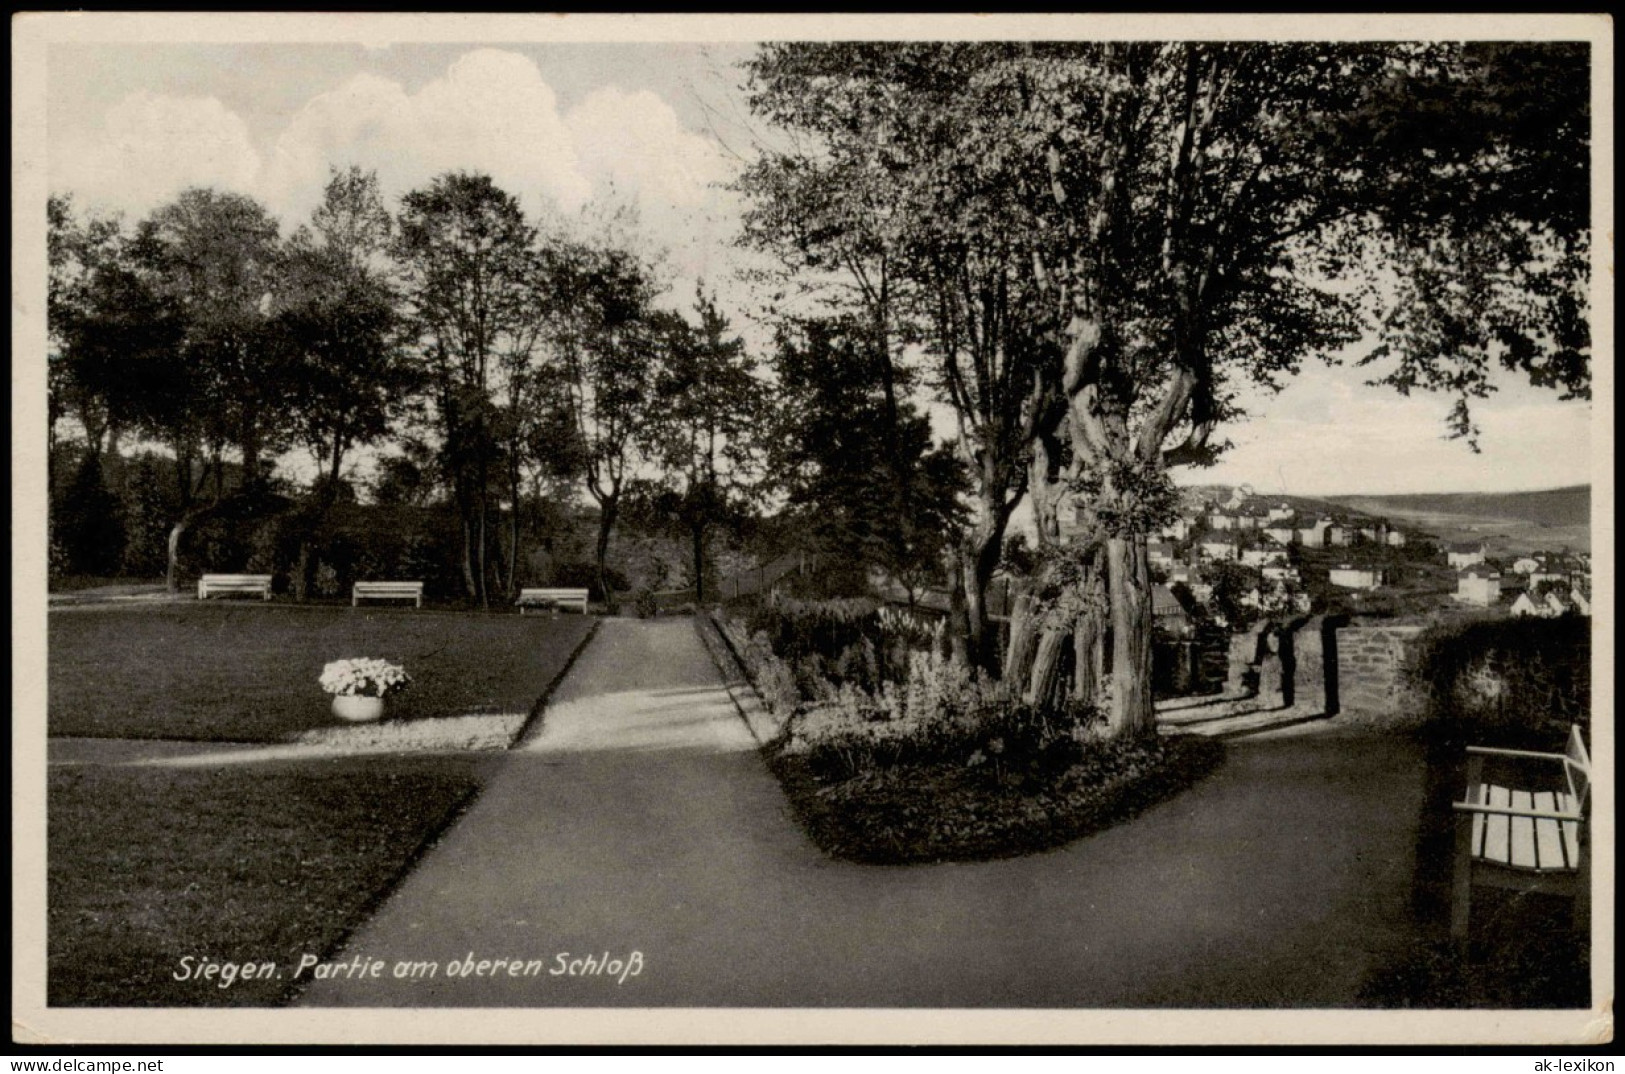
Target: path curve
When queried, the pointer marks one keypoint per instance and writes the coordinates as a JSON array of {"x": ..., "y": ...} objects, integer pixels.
[{"x": 639, "y": 818}]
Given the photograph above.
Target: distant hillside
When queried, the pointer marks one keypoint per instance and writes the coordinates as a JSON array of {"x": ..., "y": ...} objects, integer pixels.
[
  {"x": 1552, "y": 507},
  {"x": 1512, "y": 521},
  {"x": 1193, "y": 497},
  {"x": 1547, "y": 520}
]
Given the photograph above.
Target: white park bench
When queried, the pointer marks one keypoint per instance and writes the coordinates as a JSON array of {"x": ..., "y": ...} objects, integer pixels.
[
  {"x": 412, "y": 591},
  {"x": 551, "y": 598},
  {"x": 211, "y": 584},
  {"x": 1523, "y": 826}
]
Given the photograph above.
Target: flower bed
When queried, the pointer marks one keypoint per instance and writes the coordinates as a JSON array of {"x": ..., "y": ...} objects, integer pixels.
[
  {"x": 933, "y": 762},
  {"x": 953, "y": 811}
]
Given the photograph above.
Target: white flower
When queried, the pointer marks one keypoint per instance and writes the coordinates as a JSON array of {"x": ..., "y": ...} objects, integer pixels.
[{"x": 364, "y": 677}]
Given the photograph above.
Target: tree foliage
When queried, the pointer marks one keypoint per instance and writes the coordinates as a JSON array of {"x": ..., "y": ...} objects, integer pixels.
[
  {"x": 706, "y": 438},
  {"x": 1115, "y": 238},
  {"x": 469, "y": 262},
  {"x": 863, "y": 476}
]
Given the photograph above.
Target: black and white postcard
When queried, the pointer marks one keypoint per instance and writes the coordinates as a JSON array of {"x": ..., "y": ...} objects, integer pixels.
[{"x": 569, "y": 529}]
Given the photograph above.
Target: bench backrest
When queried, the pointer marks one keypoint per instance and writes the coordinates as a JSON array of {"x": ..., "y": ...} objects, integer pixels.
[
  {"x": 383, "y": 586},
  {"x": 1577, "y": 764},
  {"x": 237, "y": 579},
  {"x": 544, "y": 594}
]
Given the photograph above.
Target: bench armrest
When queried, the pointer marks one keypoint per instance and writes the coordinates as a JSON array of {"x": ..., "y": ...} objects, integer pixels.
[
  {"x": 1513, "y": 811},
  {"x": 1488, "y": 751}
]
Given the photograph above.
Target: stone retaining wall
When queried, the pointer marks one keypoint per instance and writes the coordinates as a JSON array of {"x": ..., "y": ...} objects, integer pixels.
[
  {"x": 1371, "y": 664},
  {"x": 1354, "y": 670}
]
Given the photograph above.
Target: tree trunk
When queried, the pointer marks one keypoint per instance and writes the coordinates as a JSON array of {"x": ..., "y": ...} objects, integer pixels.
[
  {"x": 1088, "y": 671},
  {"x": 302, "y": 569},
  {"x": 172, "y": 571},
  {"x": 479, "y": 552},
  {"x": 1044, "y": 682},
  {"x": 187, "y": 520},
  {"x": 978, "y": 558},
  {"x": 959, "y": 631},
  {"x": 1131, "y": 712},
  {"x": 113, "y": 462},
  {"x": 512, "y": 581},
  {"x": 608, "y": 509},
  {"x": 469, "y": 582},
  {"x": 1018, "y": 654},
  {"x": 698, "y": 535},
  {"x": 249, "y": 445}
]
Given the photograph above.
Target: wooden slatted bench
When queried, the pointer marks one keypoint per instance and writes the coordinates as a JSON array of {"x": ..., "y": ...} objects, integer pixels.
[
  {"x": 211, "y": 584},
  {"x": 1523, "y": 826},
  {"x": 412, "y": 591},
  {"x": 551, "y": 598}
]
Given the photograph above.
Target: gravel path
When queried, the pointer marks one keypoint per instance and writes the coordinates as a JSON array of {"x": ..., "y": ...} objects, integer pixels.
[{"x": 639, "y": 819}]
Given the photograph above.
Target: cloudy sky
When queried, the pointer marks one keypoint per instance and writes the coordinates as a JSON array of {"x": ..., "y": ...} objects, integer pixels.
[{"x": 661, "y": 127}]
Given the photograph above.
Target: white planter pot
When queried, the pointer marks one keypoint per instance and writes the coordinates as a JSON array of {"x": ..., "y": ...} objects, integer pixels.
[{"x": 357, "y": 709}]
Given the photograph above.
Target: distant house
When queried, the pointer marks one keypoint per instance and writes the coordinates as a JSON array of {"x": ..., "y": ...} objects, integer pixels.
[
  {"x": 1259, "y": 557},
  {"x": 1281, "y": 534},
  {"x": 1178, "y": 530},
  {"x": 1375, "y": 532},
  {"x": 1167, "y": 613},
  {"x": 1558, "y": 604},
  {"x": 1181, "y": 572},
  {"x": 1218, "y": 520},
  {"x": 1546, "y": 574},
  {"x": 1315, "y": 535},
  {"x": 1396, "y": 538},
  {"x": 1160, "y": 553},
  {"x": 1280, "y": 572},
  {"x": 1478, "y": 585},
  {"x": 1281, "y": 511},
  {"x": 1225, "y": 550},
  {"x": 1347, "y": 577},
  {"x": 1526, "y": 565},
  {"x": 1526, "y": 605},
  {"x": 1248, "y": 520},
  {"x": 1339, "y": 535},
  {"x": 1460, "y": 556}
]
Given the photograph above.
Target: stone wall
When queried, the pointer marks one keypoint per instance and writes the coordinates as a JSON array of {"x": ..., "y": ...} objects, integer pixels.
[
  {"x": 1371, "y": 661},
  {"x": 1353, "y": 670}
]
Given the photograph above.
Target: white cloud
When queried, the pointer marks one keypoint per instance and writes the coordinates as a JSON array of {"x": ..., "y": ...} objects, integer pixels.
[
  {"x": 636, "y": 142},
  {"x": 490, "y": 112},
  {"x": 636, "y": 151},
  {"x": 150, "y": 147}
]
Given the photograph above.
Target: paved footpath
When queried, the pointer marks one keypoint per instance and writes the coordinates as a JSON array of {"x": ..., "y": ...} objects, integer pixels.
[{"x": 639, "y": 818}]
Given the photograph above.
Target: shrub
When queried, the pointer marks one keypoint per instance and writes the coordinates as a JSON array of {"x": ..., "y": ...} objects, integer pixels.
[
  {"x": 952, "y": 811},
  {"x": 846, "y": 640},
  {"x": 1518, "y": 682},
  {"x": 942, "y": 712},
  {"x": 937, "y": 763},
  {"x": 89, "y": 521},
  {"x": 240, "y": 533},
  {"x": 646, "y": 604},
  {"x": 774, "y": 679},
  {"x": 150, "y": 508},
  {"x": 583, "y": 575},
  {"x": 57, "y": 565}
]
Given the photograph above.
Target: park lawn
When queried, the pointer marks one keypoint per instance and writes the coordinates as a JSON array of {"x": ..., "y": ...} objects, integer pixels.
[
  {"x": 248, "y": 673},
  {"x": 250, "y": 862}
]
